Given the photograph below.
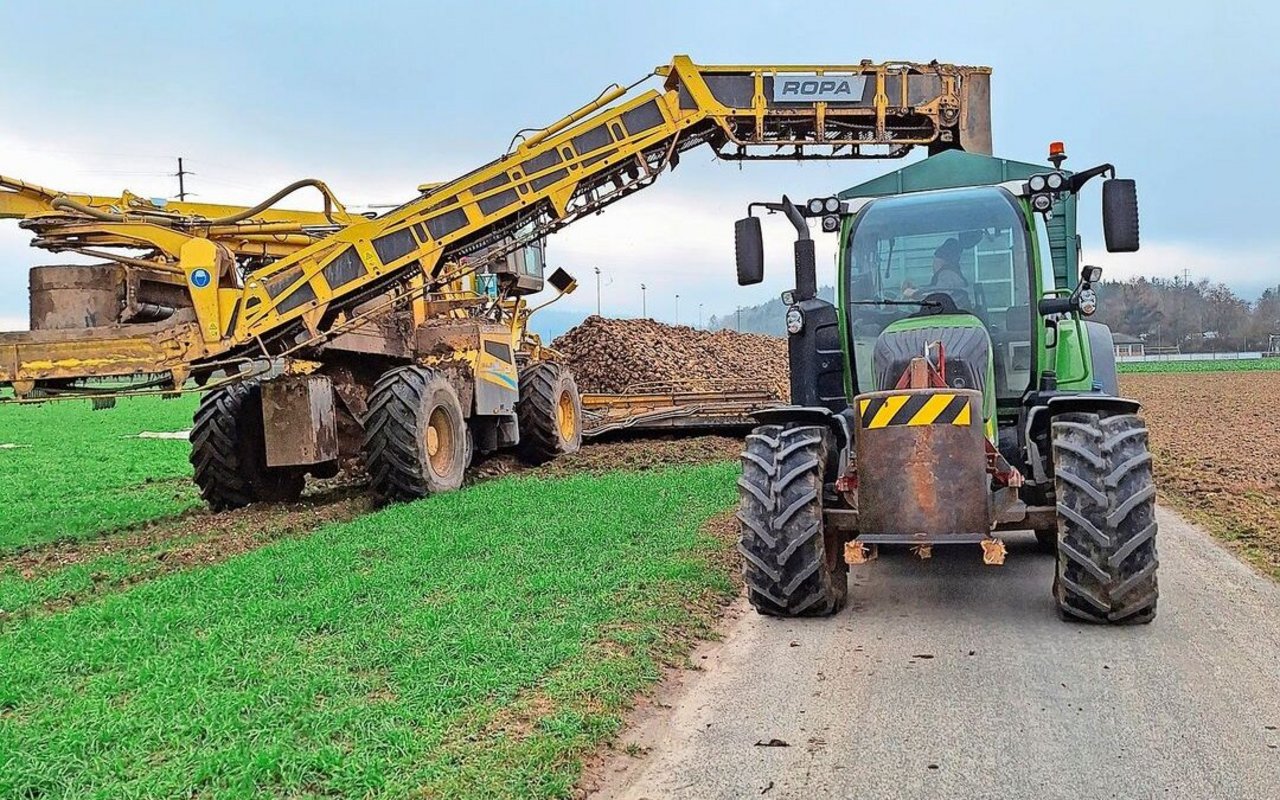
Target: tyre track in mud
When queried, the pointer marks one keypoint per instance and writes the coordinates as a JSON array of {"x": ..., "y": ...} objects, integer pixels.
[{"x": 200, "y": 538}]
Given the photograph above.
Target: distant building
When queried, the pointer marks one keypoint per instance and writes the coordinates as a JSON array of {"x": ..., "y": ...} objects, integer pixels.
[{"x": 1127, "y": 345}]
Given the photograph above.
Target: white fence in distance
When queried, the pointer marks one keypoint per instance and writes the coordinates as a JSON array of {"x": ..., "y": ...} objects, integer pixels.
[{"x": 1255, "y": 354}]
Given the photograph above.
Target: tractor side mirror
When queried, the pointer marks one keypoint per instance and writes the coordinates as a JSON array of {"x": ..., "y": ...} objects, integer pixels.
[
  {"x": 563, "y": 282},
  {"x": 1084, "y": 299},
  {"x": 748, "y": 250},
  {"x": 1120, "y": 215}
]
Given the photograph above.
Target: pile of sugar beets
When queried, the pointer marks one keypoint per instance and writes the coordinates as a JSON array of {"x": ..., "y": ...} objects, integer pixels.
[{"x": 617, "y": 355}]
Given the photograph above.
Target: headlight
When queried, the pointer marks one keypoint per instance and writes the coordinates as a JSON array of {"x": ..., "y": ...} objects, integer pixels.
[
  {"x": 830, "y": 223},
  {"x": 1037, "y": 183},
  {"x": 1042, "y": 202},
  {"x": 832, "y": 205},
  {"x": 795, "y": 320},
  {"x": 1088, "y": 302},
  {"x": 815, "y": 206},
  {"x": 1055, "y": 180}
]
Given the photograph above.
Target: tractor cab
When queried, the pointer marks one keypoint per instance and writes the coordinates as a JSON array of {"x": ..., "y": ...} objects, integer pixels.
[
  {"x": 951, "y": 267},
  {"x": 954, "y": 392}
]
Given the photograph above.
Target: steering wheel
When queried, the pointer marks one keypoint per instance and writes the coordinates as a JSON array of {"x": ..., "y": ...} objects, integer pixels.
[{"x": 939, "y": 303}]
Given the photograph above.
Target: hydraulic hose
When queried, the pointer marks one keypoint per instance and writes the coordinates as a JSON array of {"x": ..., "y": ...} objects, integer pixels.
[
  {"x": 62, "y": 202},
  {"x": 330, "y": 202}
]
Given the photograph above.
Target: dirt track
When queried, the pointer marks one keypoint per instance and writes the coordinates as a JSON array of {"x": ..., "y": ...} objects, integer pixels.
[{"x": 947, "y": 678}]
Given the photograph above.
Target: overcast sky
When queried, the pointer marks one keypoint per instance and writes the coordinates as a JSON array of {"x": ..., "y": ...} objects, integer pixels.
[{"x": 255, "y": 95}]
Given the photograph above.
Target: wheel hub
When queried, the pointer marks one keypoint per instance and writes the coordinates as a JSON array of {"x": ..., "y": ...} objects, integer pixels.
[
  {"x": 566, "y": 417},
  {"x": 440, "y": 449}
]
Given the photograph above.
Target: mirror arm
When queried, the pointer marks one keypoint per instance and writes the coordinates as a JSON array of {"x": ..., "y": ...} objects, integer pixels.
[
  {"x": 797, "y": 219},
  {"x": 1077, "y": 181}
]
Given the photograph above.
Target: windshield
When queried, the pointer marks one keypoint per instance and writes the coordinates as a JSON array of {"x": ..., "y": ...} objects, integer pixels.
[{"x": 963, "y": 247}]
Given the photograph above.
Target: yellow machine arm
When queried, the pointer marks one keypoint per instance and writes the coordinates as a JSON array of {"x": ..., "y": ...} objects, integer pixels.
[
  {"x": 67, "y": 222},
  {"x": 574, "y": 167}
]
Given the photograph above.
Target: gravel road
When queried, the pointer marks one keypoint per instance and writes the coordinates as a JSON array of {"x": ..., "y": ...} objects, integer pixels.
[{"x": 945, "y": 678}]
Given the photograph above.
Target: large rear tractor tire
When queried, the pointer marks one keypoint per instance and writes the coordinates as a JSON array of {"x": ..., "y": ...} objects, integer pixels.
[
  {"x": 549, "y": 413},
  {"x": 790, "y": 567},
  {"x": 416, "y": 437},
  {"x": 1106, "y": 519},
  {"x": 228, "y": 451}
]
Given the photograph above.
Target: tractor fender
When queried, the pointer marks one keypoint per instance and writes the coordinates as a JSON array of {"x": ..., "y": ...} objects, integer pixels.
[
  {"x": 1047, "y": 407},
  {"x": 1102, "y": 355},
  {"x": 840, "y": 424}
]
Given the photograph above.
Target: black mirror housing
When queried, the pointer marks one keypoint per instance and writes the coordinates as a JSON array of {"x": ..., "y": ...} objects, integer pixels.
[
  {"x": 748, "y": 250},
  {"x": 563, "y": 281},
  {"x": 1120, "y": 215}
]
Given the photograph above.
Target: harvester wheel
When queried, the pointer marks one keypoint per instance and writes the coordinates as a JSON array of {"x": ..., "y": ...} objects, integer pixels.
[
  {"x": 549, "y": 413},
  {"x": 789, "y": 566},
  {"x": 228, "y": 452},
  {"x": 415, "y": 435},
  {"x": 1106, "y": 519}
]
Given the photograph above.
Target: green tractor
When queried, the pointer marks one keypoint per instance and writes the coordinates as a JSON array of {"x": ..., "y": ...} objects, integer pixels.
[{"x": 955, "y": 390}]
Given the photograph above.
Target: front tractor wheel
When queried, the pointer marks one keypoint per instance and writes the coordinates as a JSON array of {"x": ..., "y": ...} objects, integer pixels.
[
  {"x": 549, "y": 413},
  {"x": 228, "y": 452},
  {"x": 1106, "y": 519},
  {"x": 416, "y": 438},
  {"x": 790, "y": 566}
]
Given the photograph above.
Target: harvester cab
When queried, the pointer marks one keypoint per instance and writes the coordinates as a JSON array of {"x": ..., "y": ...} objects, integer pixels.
[{"x": 953, "y": 392}]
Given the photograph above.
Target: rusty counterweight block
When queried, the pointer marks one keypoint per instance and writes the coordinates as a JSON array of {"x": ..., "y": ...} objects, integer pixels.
[{"x": 922, "y": 467}]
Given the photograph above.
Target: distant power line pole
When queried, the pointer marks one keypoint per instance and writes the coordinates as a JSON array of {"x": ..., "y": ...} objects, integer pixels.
[{"x": 182, "y": 184}]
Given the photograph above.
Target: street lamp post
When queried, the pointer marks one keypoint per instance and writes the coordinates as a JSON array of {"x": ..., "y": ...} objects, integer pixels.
[
  {"x": 699, "y": 315},
  {"x": 644, "y": 303},
  {"x": 677, "y": 308},
  {"x": 598, "y": 314}
]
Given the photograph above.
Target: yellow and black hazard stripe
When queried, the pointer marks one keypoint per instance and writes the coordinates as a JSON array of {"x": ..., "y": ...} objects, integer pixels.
[{"x": 935, "y": 408}]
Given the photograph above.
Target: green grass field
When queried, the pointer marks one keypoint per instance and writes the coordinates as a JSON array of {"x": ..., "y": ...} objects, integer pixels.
[
  {"x": 1220, "y": 365},
  {"x": 77, "y": 472},
  {"x": 472, "y": 644}
]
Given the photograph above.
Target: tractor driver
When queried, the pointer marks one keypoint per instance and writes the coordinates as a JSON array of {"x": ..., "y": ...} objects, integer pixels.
[
  {"x": 946, "y": 268},
  {"x": 947, "y": 277}
]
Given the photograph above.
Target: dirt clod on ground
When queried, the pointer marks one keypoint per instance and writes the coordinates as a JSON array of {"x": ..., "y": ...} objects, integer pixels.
[
  {"x": 1216, "y": 453},
  {"x": 614, "y": 355}
]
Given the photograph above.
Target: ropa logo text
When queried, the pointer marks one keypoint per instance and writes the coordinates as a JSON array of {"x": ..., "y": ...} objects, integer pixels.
[{"x": 817, "y": 88}]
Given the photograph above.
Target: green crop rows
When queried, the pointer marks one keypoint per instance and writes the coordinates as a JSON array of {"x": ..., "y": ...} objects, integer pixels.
[
  {"x": 473, "y": 643},
  {"x": 1219, "y": 365},
  {"x": 479, "y": 643},
  {"x": 72, "y": 472}
]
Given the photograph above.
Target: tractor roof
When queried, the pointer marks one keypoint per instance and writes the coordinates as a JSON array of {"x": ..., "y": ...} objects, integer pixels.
[{"x": 947, "y": 170}]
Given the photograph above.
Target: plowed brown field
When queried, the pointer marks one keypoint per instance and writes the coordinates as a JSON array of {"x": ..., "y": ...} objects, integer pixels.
[{"x": 1217, "y": 453}]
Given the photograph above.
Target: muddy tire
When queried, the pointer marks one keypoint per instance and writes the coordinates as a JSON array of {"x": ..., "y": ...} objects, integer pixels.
[
  {"x": 549, "y": 413},
  {"x": 790, "y": 568},
  {"x": 1106, "y": 519},
  {"x": 228, "y": 452},
  {"x": 416, "y": 438}
]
